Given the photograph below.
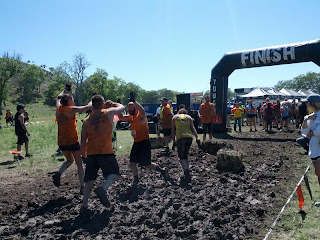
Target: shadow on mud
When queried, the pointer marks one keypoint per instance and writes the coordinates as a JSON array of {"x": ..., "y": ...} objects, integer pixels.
[
  {"x": 52, "y": 206},
  {"x": 91, "y": 225},
  {"x": 132, "y": 194},
  {"x": 228, "y": 136}
]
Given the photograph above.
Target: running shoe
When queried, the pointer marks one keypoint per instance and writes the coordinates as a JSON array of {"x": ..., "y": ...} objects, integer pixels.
[{"x": 56, "y": 179}]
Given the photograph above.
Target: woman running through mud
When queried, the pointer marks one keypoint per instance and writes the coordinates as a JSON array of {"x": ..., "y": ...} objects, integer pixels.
[{"x": 68, "y": 139}]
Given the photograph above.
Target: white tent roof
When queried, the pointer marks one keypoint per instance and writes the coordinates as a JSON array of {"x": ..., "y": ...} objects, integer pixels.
[
  {"x": 289, "y": 92},
  {"x": 303, "y": 93},
  {"x": 257, "y": 92},
  {"x": 273, "y": 91}
]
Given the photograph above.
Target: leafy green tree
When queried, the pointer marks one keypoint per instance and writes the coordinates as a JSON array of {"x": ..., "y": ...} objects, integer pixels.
[
  {"x": 150, "y": 96},
  {"x": 29, "y": 83},
  {"x": 126, "y": 88},
  {"x": 80, "y": 64},
  {"x": 10, "y": 66},
  {"x": 230, "y": 95},
  {"x": 171, "y": 95},
  {"x": 60, "y": 76},
  {"x": 308, "y": 81}
]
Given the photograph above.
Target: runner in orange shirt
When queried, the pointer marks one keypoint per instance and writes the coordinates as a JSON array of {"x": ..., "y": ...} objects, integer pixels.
[
  {"x": 96, "y": 147},
  {"x": 207, "y": 116},
  {"x": 166, "y": 121},
  {"x": 68, "y": 139},
  {"x": 141, "y": 149}
]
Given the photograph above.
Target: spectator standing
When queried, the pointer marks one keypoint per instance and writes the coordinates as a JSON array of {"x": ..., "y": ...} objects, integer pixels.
[
  {"x": 237, "y": 111},
  {"x": 159, "y": 116},
  {"x": 259, "y": 114},
  {"x": 251, "y": 115},
  {"x": 228, "y": 114},
  {"x": 277, "y": 113},
  {"x": 21, "y": 131},
  {"x": 268, "y": 116},
  {"x": 311, "y": 129},
  {"x": 285, "y": 116}
]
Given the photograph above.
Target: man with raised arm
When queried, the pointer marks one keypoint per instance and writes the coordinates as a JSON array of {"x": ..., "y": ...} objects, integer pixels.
[
  {"x": 141, "y": 149},
  {"x": 68, "y": 139},
  {"x": 96, "y": 147}
]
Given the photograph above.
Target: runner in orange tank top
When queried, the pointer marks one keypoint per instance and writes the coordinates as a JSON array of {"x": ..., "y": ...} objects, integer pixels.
[
  {"x": 166, "y": 121},
  {"x": 141, "y": 149},
  {"x": 207, "y": 115},
  {"x": 96, "y": 147},
  {"x": 68, "y": 139}
]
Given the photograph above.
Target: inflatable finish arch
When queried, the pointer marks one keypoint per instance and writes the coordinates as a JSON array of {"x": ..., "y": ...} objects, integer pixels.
[{"x": 284, "y": 54}]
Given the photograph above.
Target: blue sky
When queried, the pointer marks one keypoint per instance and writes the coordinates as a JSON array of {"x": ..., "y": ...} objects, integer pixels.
[{"x": 157, "y": 44}]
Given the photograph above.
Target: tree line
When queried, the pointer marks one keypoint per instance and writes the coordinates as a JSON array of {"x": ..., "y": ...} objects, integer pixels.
[
  {"x": 308, "y": 81},
  {"x": 28, "y": 82}
]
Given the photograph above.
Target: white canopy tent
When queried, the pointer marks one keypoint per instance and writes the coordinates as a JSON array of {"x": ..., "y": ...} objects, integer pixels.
[{"x": 255, "y": 93}]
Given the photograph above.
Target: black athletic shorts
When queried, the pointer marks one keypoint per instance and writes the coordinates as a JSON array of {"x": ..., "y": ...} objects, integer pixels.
[
  {"x": 207, "y": 128},
  {"x": 73, "y": 147},
  {"x": 166, "y": 131},
  {"x": 285, "y": 118},
  {"x": 183, "y": 146},
  {"x": 22, "y": 138},
  {"x": 8, "y": 120},
  {"x": 106, "y": 162},
  {"x": 141, "y": 153}
]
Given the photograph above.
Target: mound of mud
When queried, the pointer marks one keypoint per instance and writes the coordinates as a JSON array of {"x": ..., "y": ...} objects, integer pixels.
[
  {"x": 215, "y": 205},
  {"x": 212, "y": 147},
  {"x": 229, "y": 161}
]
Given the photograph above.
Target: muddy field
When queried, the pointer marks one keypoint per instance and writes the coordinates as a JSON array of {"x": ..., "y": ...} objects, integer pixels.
[{"x": 216, "y": 205}]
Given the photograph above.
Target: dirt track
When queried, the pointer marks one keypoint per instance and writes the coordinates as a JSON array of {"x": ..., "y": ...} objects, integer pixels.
[{"x": 214, "y": 206}]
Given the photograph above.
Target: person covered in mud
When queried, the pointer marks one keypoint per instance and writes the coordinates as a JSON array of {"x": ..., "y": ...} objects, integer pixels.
[
  {"x": 311, "y": 129},
  {"x": 21, "y": 131},
  {"x": 68, "y": 139},
  {"x": 141, "y": 149},
  {"x": 166, "y": 121},
  {"x": 268, "y": 116},
  {"x": 207, "y": 114},
  {"x": 96, "y": 148},
  {"x": 9, "y": 118},
  {"x": 182, "y": 133}
]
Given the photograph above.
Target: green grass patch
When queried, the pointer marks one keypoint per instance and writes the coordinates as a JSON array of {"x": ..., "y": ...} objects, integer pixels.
[{"x": 292, "y": 224}]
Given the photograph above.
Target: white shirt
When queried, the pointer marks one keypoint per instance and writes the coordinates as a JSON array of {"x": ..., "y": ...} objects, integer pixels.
[{"x": 314, "y": 144}]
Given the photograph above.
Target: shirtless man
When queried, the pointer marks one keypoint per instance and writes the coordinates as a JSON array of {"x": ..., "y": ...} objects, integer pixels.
[
  {"x": 141, "y": 149},
  {"x": 68, "y": 139},
  {"x": 96, "y": 147}
]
